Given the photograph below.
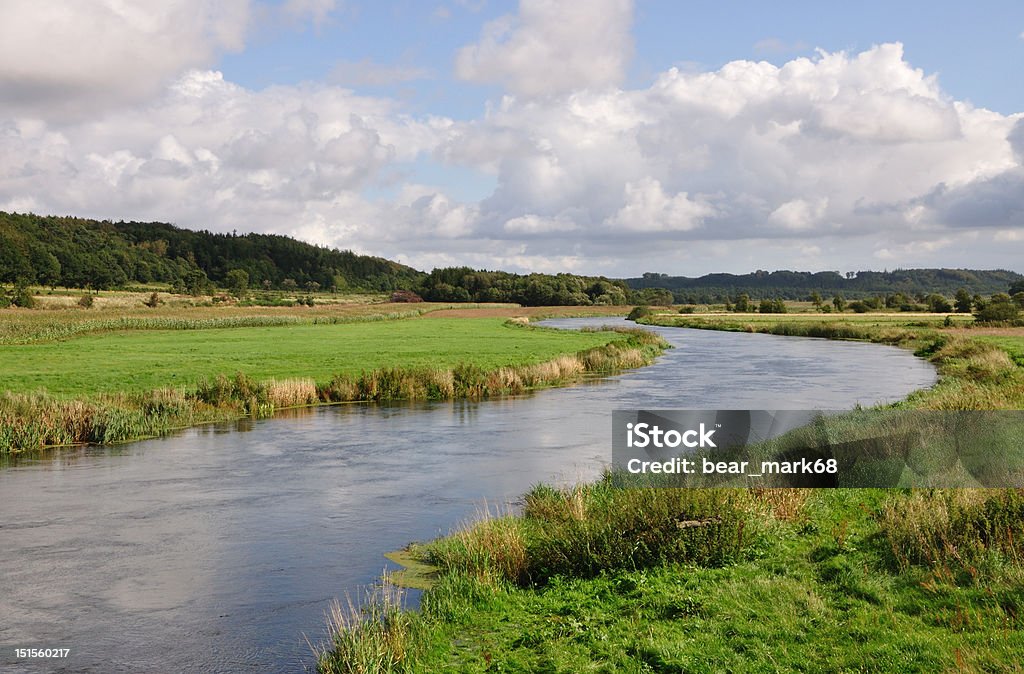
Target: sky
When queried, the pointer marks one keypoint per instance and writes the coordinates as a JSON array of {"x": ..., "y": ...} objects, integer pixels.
[{"x": 603, "y": 137}]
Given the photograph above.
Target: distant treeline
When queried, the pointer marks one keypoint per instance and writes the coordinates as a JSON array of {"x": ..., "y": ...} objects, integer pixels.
[
  {"x": 80, "y": 253},
  {"x": 795, "y": 285},
  {"x": 463, "y": 284}
]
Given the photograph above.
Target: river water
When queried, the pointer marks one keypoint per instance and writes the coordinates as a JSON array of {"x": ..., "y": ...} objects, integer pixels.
[{"x": 220, "y": 548}]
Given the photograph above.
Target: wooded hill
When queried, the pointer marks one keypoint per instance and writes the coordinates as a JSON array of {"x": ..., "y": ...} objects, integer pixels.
[
  {"x": 796, "y": 285},
  {"x": 80, "y": 253}
]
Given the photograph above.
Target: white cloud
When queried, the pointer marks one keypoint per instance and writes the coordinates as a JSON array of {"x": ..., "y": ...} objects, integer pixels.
[
  {"x": 552, "y": 47},
  {"x": 535, "y": 224},
  {"x": 68, "y": 59},
  {"x": 840, "y": 157},
  {"x": 799, "y": 214},
  {"x": 648, "y": 209},
  {"x": 209, "y": 153}
]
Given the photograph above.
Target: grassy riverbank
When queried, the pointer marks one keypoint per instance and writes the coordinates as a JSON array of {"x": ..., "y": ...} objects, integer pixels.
[
  {"x": 604, "y": 580},
  {"x": 143, "y": 375}
]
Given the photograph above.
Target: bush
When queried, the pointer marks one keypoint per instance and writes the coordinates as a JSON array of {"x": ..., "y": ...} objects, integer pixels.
[
  {"x": 23, "y": 298},
  {"x": 85, "y": 301},
  {"x": 999, "y": 309},
  {"x": 154, "y": 301},
  {"x": 639, "y": 312}
]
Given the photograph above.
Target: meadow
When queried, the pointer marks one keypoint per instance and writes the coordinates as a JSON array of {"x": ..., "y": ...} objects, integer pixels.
[
  {"x": 78, "y": 376},
  {"x": 140, "y": 360},
  {"x": 602, "y": 579}
]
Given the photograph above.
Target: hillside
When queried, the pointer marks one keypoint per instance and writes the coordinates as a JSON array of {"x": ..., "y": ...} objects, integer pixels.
[
  {"x": 795, "y": 285},
  {"x": 76, "y": 252}
]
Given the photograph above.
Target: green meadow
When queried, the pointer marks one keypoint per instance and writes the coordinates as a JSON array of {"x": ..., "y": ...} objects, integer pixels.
[
  {"x": 142, "y": 360},
  {"x": 118, "y": 378}
]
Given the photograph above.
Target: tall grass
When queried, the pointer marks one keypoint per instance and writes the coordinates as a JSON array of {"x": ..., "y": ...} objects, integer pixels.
[
  {"x": 369, "y": 636},
  {"x": 966, "y": 534},
  {"x": 592, "y": 529}
]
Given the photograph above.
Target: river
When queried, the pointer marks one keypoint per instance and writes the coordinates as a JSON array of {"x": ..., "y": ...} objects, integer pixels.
[{"x": 219, "y": 548}]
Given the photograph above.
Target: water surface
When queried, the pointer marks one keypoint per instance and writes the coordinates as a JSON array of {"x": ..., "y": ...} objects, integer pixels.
[{"x": 220, "y": 548}]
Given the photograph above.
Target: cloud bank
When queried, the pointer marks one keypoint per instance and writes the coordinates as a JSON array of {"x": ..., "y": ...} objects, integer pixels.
[{"x": 838, "y": 160}]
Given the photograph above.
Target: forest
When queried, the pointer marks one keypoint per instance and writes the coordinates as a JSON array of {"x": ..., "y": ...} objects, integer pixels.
[
  {"x": 81, "y": 253},
  {"x": 798, "y": 285}
]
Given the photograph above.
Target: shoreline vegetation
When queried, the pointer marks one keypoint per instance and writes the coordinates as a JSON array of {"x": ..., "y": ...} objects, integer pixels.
[
  {"x": 597, "y": 578},
  {"x": 39, "y": 419}
]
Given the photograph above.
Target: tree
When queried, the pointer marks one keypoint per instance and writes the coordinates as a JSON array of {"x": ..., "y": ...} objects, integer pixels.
[
  {"x": 815, "y": 298},
  {"x": 998, "y": 309},
  {"x": 962, "y": 301},
  {"x": 937, "y": 304},
  {"x": 839, "y": 302},
  {"x": 237, "y": 282},
  {"x": 742, "y": 305},
  {"x": 196, "y": 282},
  {"x": 772, "y": 307},
  {"x": 1016, "y": 287}
]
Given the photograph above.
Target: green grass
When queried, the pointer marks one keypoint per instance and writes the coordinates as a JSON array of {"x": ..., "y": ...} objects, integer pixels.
[
  {"x": 598, "y": 580},
  {"x": 1013, "y": 345},
  {"x": 814, "y": 587},
  {"x": 146, "y": 360}
]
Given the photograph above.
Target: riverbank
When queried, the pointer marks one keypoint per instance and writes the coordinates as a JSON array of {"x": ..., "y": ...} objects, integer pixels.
[
  {"x": 599, "y": 579},
  {"x": 122, "y": 381}
]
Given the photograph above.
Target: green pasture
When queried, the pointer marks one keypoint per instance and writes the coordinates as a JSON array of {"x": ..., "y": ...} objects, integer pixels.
[{"x": 148, "y": 359}]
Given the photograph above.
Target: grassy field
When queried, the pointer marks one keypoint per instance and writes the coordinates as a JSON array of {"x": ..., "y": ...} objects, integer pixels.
[
  {"x": 136, "y": 360},
  {"x": 75, "y": 375},
  {"x": 600, "y": 579}
]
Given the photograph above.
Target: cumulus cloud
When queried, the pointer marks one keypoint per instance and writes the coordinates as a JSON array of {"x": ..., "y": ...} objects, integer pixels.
[
  {"x": 214, "y": 154},
  {"x": 648, "y": 209},
  {"x": 68, "y": 59},
  {"x": 552, "y": 47},
  {"x": 830, "y": 160},
  {"x": 837, "y": 147}
]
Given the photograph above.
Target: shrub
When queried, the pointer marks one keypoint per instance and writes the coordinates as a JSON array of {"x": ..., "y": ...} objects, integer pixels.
[
  {"x": 23, "y": 298},
  {"x": 86, "y": 301},
  {"x": 999, "y": 309},
  {"x": 639, "y": 312}
]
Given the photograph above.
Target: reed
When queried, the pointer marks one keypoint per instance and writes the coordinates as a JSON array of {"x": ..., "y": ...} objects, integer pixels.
[{"x": 368, "y": 637}]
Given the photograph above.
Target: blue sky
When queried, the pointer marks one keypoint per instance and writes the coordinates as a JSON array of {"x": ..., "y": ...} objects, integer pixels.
[
  {"x": 976, "y": 49},
  {"x": 608, "y": 136}
]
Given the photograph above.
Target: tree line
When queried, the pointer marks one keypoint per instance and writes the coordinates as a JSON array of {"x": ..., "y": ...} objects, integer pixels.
[
  {"x": 82, "y": 253},
  {"x": 861, "y": 285}
]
